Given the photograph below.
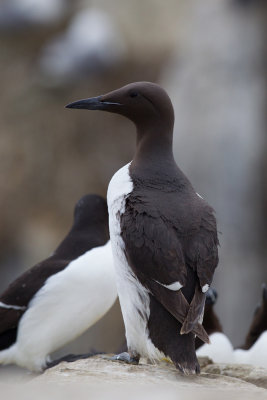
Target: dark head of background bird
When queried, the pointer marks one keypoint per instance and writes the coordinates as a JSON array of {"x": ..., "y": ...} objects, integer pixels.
[
  {"x": 211, "y": 321},
  {"x": 90, "y": 226},
  {"x": 89, "y": 210},
  {"x": 211, "y": 297},
  {"x": 146, "y": 104}
]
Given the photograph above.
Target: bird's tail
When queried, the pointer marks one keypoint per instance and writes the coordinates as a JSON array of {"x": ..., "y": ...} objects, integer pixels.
[
  {"x": 165, "y": 337},
  {"x": 194, "y": 316},
  {"x": 184, "y": 358},
  {"x": 200, "y": 332},
  {"x": 189, "y": 315}
]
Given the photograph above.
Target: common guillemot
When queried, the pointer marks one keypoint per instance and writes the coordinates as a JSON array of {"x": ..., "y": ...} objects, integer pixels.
[
  {"x": 62, "y": 296},
  {"x": 254, "y": 350},
  {"x": 255, "y": 355},
  {"x": 259, "y": 322},
  {"x": 211, "y": 321},
  {"x": 220, "y": 348},
  {"x": 163, "y": 235}
]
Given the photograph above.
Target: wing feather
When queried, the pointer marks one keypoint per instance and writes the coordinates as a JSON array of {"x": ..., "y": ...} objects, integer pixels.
[
  {"x": 159, "y": 255},
  {"x": 22, "y": 290}
]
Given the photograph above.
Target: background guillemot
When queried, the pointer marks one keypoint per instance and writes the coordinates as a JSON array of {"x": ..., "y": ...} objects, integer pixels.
[
  {"x": 163, "y": 235},
  {"x": 62, "y": 296},
  {"x": 211, "y": 321},
  {"x": 255, "y": 355},
  {"x": 254, "y": 350},
  {"x": 220, "y": 348},
  {"x": 259, "y": 321}
]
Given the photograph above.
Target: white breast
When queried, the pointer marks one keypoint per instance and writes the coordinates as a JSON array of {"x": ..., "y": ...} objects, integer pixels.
[
  {"x": 256, "y": 355},
  {"x": 68, "y": 304},
  {"x": 219, "y": 350},
  {"x": 134, "y": 298}
]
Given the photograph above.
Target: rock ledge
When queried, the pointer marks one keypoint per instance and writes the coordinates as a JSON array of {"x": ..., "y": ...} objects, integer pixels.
[{"x": 243, "y": 380}]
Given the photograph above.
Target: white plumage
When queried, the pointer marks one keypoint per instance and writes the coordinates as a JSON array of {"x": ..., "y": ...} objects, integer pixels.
[
  {"x": 11, "y": 307},
  {"x": 256, "y": 355},
  {"x": 219, "y": 350},
  {"x": 133, "y": 296},
  {"x": 175, "y": 286},
  {"x": 67, "y": 305}
]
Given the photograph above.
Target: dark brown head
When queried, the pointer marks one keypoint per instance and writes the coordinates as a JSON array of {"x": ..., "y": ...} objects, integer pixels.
[
  {"x": 144, "y": 103},
  {"x": 89, "y": 229},
  {"x": 90, "y": 210}
]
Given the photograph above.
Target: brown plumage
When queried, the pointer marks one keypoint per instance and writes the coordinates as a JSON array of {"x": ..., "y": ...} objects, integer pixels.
[
  {"x": 167, "y": 232},
  {"x": 259, "y": 322},
  {"x": 211, "y": 322},
  {"x": 89, "y": 230}
]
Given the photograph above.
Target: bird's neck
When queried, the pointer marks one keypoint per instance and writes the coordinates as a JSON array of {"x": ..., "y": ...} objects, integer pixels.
[
  {"x": 79, "y": 241},
  {"x": 154, "y": 146}
]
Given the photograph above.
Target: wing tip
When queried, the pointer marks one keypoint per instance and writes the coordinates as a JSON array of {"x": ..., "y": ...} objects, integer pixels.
[{"x": 198, "y": 330}]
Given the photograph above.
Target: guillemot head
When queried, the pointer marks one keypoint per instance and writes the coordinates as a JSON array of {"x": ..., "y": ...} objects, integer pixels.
[
  {"x": 146, "y": 104},
  {"x": 211, "y": 296},
  {"x": 90, "y": 210}
]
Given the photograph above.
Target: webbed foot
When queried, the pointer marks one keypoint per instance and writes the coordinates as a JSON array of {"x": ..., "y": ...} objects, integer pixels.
[{"x": 127, "y": 358}]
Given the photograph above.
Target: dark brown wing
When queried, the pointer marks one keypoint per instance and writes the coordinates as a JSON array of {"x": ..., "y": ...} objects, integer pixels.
[
  {"x": 157, "y": 256},
  {"x": 201, "y": 254},
  {"x": 9, "y": 318},
  {"x": 20, "y": 292},
  {"x": 153, "y": 249},
  {"x": 202, "y": 250}
]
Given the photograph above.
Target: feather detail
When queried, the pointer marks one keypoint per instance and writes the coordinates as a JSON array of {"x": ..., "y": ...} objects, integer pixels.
[
  {"x": 177, "y": 305},
  {"x": 195, "y": 311}
]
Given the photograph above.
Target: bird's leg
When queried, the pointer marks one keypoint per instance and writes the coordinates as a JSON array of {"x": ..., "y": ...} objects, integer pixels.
[{"x": 132, "y": 357}]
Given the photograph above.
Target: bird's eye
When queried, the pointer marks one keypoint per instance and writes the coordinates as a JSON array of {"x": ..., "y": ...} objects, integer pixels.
[{"x": 133, "y": 94}]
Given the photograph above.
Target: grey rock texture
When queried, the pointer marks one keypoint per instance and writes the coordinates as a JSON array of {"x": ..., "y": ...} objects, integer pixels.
[
  {"x": 245, "y": 372},
  {"x": 214, "y": 378}
]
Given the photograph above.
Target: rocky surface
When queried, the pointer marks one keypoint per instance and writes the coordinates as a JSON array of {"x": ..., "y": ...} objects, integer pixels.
[
  {"x": 245, "y": 372},
  {"x": 243, "y": 381}
]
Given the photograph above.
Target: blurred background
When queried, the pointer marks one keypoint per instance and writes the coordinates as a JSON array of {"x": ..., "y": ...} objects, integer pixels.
[{"x": 210, "y": 56}]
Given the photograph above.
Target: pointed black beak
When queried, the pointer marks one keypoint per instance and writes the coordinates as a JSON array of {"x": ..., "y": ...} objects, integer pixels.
[{"x": 93, "y": 103}]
